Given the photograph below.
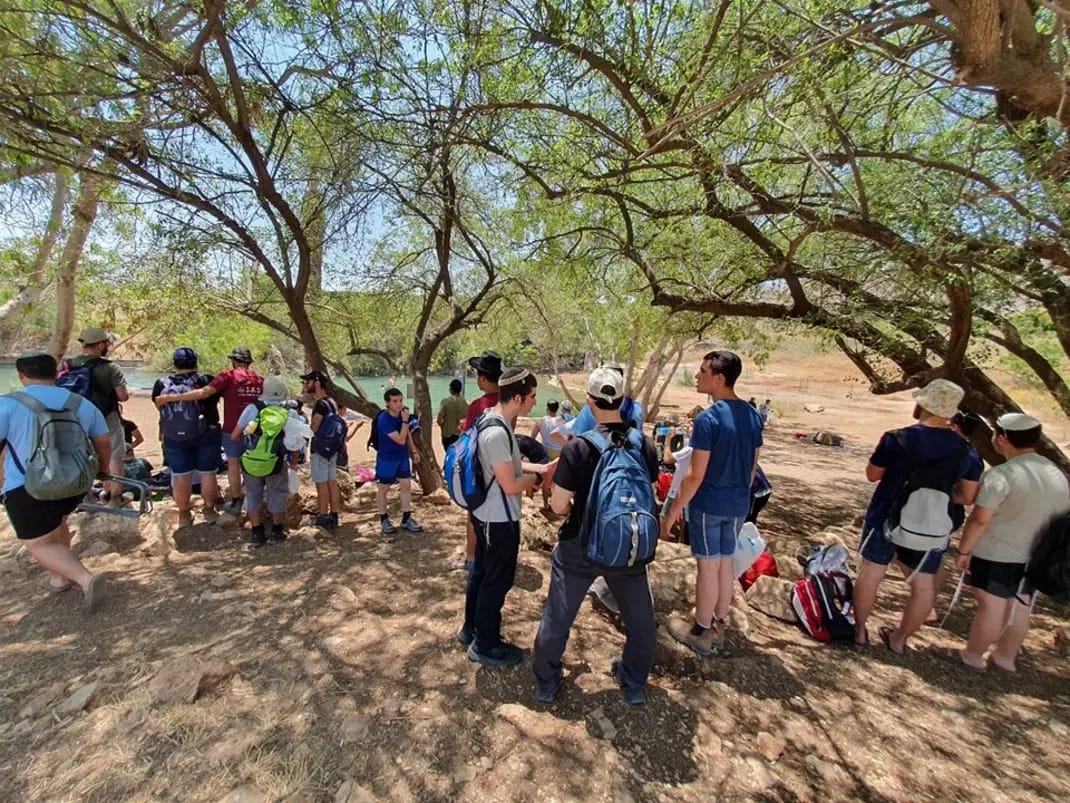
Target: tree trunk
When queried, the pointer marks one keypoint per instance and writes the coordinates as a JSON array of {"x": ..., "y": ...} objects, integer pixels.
[
  {"x": 34, "y": 283},
  {"x": 652, "y": 410},
  {"x": 428, "y": 469}
]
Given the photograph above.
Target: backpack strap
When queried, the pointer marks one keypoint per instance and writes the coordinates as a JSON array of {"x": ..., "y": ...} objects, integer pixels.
[
  {"x": 483, "y": 423},
  {"x": 74, "y": 401}
]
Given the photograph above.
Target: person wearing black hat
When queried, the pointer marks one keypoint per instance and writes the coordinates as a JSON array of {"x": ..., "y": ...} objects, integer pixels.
[
  {"x": 324, "y": 470},
  {"x": 240, "y": 386},
  {"x": 191, "y": 435}
]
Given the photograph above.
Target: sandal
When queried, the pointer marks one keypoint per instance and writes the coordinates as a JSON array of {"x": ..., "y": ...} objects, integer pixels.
[{"x": 885, "y": 634}]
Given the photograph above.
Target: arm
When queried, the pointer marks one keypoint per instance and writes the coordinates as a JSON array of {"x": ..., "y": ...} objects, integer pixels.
[
  {"x": 200, "y": 394},
  {"x": 965, "y": 492},
  {"x": 440, "y": 419},
  {"x": 874, "y": 473},
  {"x": 976, "y": 524},
  {"x": 696, "y": 472},
  {"x": 102, "y": 446},
  {"x": 512, "y": 484},
  {"x": 754, "y": 468},
  {"x": 561, "y": 500},
  {"x": 136, "y": 438},
  {"x": 400, "y": 437}
]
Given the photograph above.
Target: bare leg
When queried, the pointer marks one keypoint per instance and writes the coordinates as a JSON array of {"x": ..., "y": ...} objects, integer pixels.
[
  {"x": 986, "y": 627},
  {"x": 53, "y": 552},
  {"x": 116, "y": 468},
  {"x": 209, "y": 489},
  {"x": 335, "y": 496},
  {"x": 380, "y": 498},
  {"x": 182, "y": 488},
  {"x": 707, "y": 591},
  {"x": 922, "y": 596},
  {"x": 726, "y": 586},
  {"x": 469, "y": 541},
  {"x": 1010, "y": 641},
  {"x": 940, "y": 580},
  {"x": 323, "y": 498},
  {"x": 865, "y": 595},
  {"x": 234, "y": 489},
  {"x": 405, "y": 489}
]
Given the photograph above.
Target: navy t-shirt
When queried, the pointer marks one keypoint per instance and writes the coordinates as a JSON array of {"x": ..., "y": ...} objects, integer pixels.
[
  {"x": 388, "y": 449},
  {"x": 730, "y": 430},
  {"x": 925, "y": 444}
]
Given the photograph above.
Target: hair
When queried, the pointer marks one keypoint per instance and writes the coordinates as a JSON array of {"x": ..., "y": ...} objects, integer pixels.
[
  {"x": 1020, "y": 438},
  {"x": 726, "y": 364},
  {"x": 37, "y": 366},
  {"x": 552, "y": 406},
  {"x": 969, "y": 424},
  {"x": 455, "y": 386},
  {"x": 516, "y": 382},
  {"x": 602, "y": 404},
  {"x": 391, "y": 393}
]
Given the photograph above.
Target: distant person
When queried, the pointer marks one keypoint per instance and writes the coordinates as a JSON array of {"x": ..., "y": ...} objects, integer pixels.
[
  {"x": 40, "y": 523},
  {"x": 566, "y": 410},
  {"x": 1014, "y": 502},
  {"x": 488, "y": 368},
  {"x": 930, "y": 442},
  {"x": 452, "y": 412},
  {"x": 191, "y": 435},
  {"x": 543, "y": 429},
  {"x": 102, "y": 382},
  {"x": 764, "y": 409},
  {"x": 716, "y": 492},
  {"x": 240, "y": 386},
  {"x": 352, "y": 428},
  {"x": 752, "y": 402},
  {"x": 324, "y": 469},
  {"x": 132, "y": 436},
  {"x": 393, "y": 461}
]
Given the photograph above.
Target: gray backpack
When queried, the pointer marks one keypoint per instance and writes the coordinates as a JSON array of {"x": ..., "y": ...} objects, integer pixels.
[{"x": 62, "y": 461}]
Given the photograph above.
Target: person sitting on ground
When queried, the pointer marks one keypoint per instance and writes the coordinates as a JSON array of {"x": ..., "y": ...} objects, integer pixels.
[
  {"x": 132, "y": 436},
  {"x": 324, "y": 470},
  {"x": 190, "y": 451},
  {"x": 488, "y": 368},
  {"x": 393, "y": 461},
  {"x": 42, "y": 524},
  {"x": 240, "y": 386},
  {"x": 572, "y": 573},
  {"x": 1014, "y": 502},
  {"x": 716, "y": 492},
  {"x": 497, "y": 521},
  {"x": 930, "y": 441},
  {"x": 452, "y": 412}
]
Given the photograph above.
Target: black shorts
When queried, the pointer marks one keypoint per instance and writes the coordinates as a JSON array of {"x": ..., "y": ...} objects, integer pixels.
[
  {"x": 449, "y": 440},
  {"x": 31, "y": 518},
  {"x": 1003, "y": 580}
]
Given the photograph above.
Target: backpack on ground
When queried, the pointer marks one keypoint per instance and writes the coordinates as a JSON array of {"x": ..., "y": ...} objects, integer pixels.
[
  {"x": 79, "y": 380},
  {"x": 181, "y": 421},
  {"x": 919, "y": 517},
  {"x": 620, "y": 524},
  {"x": 829, "y": 558},
  {"x": 62, "y": 461},
  {"x": 823, "y": 604},
  {"x": 1049, "y": 564},
  {"x": 464, "y": 476},
  {"x": 330, "y": 437},
  {"x": 264, "y": 448}
]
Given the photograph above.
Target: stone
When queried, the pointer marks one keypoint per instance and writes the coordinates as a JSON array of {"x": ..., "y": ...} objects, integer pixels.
[
  {"x": 78, "y": 701},
  {"x": 772, "y": 596},
  {"x": 244, "y": 794},
  {"x": 609, "y": 730},
  {"x": 354, "y": 727},
  {"x": 186, "y": 678},
  {"x": 221, "y": 581},
  {"x": 761, "y": 777},
  {"x": 814, "y": 408},
  {"x": 352, "y": 792},
  {"x": 438, "y": 497},
  {"x": 41, "y": 700},
  {"x": 830, "y": 773},
  {"x": 96, "y": 549},
  {"x": 771, "y": 747},
  {"x": 465, "y": 774}
]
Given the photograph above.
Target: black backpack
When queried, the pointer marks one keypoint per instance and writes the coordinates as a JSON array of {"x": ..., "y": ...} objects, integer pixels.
[
  {"x": 373, "y": 436},
  {"x": 1049, "y": 564}
]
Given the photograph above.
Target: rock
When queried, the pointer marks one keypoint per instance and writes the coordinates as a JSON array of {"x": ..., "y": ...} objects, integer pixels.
[
  {"x": 814, "y": 408},
  {"x": 353, "y": 728},
  {"x": 352, "y": 792},
  {"x": 42, "y": 700},
  {"x": 438, "y": 497},
  {"x": 96, "y": 549},
  {"x": 185, "y": 678},
  {"x": 771, "y": 747},
  {"x": 772, "y": 596},
  {"x": 221, "y": 581},
  {"x": 609, "y": 730},
  {"x": 1062, "y": 641},
  {"x": 227, "y": 750},
  {"x": 78, "y": 701},
  {"x": 827, "y": 438},
  {"x": 343, "y": 598},
  {"x": 830, "y": 773},
  {"x": 761, "y": 777},
  {"x": 244, "y": 794},
  {"x": 158, "y": 529},
  {"x": 465, "y": 774}
]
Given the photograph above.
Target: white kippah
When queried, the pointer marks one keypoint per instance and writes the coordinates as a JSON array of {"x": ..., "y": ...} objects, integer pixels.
[{"x": 1016, "y": 422}]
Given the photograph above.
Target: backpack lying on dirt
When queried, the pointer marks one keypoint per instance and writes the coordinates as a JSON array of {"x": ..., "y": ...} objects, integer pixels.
[
  {"x": 464, "y": 476},
  {"x": 265, "y": 448},
  {"x": 822, "y": 602},
  {"x": 62, "y": 461},
  {"x": 1049, "y": 564}
]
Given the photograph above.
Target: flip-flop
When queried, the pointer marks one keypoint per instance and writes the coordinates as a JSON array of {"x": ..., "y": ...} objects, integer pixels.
[
  {"x": 862, "y": 644},
  {"x": 94, "y": 594},
  {"x": 885, "y": 634}
]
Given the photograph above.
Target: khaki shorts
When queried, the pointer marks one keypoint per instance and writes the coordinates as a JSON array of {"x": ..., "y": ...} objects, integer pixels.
[{"x": 116, "y": 435}]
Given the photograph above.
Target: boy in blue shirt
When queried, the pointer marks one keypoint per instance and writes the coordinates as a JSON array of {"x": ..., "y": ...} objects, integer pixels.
[
  {"x": 392, "y": 461},
  {"x": 716, "y": 492}
]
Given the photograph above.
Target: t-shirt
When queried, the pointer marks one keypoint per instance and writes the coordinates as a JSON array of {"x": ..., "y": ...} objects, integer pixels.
[
  {"x": 1025, "y": 492},
  {"x": 106, "y": 379},
  {"x": 18, "y": 424},
  {"x": 238, "y": 387},
  {"x": 478, "y": 407},
  {"x": 454, "y": 410},
  {"x": 209, "y": 407},
  {"x": 926, "y": 444},
  {"x": 547, "y": 424},
  {"x": 575, "y": 471},
  {"x": 389, "y": 450},
  {"x": 585, "y": 421},
  {"x": 497, "y": 445},
  {"x": 730, "y": 430}
]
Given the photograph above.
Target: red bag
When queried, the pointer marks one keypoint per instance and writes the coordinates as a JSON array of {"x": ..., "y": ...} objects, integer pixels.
[
  {"x": 766, "y": 564},
  {"x": 664, "y": 484}
]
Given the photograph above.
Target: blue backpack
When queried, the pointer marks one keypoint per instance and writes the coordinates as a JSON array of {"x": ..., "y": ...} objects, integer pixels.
[
  {"x": 330, "y": 437},
  {"x": 181, "y": 421},
  {"x": 79, "y": 379},
  {"x": 463, "y": 474},
  {"x": 620, "y": 524}
]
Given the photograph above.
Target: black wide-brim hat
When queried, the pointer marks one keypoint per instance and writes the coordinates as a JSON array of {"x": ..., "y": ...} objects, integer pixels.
[{"x": 488, "y": 363}]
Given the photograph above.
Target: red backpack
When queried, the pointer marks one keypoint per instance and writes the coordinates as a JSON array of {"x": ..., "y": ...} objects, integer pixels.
[{"x": 822, "y": 602}]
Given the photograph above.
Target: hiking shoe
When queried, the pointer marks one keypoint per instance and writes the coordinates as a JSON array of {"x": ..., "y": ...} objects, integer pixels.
[
  {"x": 234, "y": 506},
  {"x": 185, "y": 518},
  {"x": 466, "y": 635},
  {"x": 257, "y": 537},
  {"x": 634, "y": 696},
  {"x": 411, "y": 526},
  {"x": 277, "y": 535},
  {"x": 323, "y": 521},
  {"x": 546, "y": 692},
  {"x": 502, "y": 655},
  {"x": 211, "y": 516},
  {"x": 387, "y": 527},
  {"x": 334, "y": 521},
  {"x": 704, "y": 645}
]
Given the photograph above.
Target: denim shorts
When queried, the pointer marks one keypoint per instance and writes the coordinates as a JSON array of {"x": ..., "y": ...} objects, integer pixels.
[
  {"x": 387, "y": 472},
  {"x": 200, "y": 454},
  {"x": 232, "y": 448},
  {"x": 878, "y": 548},
  {"x": 324, "y": 469},
  {"x": 712, "y": 536}
]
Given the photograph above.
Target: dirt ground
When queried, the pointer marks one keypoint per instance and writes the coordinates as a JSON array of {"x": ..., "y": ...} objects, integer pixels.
[{"x": 326, "y": 668}]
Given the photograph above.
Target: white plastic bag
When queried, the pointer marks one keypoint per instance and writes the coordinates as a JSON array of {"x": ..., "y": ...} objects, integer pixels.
[
  {"x": 293, "y": 481},
  {"x": 296, "y": 434},
  {"x": 749, "y": 545}
]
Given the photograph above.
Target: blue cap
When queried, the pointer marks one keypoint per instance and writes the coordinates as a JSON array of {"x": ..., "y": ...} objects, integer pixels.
[{"x": 185, "y": 357}]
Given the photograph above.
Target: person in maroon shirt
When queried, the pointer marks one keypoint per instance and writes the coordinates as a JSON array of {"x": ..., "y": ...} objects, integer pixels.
[{"x": 240, "y": 387}]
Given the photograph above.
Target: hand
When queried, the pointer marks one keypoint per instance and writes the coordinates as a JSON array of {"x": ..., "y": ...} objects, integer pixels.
[
  {"x": 667, "y": 523},
  {"x": 550, "y": 470},
  {"x": 416, "y": 458},
  {"x": 405, "y": 415},
  {"x": 962, "y": 561}
]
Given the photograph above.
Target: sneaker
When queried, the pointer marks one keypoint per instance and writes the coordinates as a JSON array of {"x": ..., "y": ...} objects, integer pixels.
[
  {"x": 257, "y": 537},
  {"x": 277, "y": 535},
  {"x": 546, "y": 692},
  {"x": 633, "y": 695},
  {"x": 323, "y": 521},
  {"x": 410, "y": 525},
  {"x": 465, "y": 635},
  {"x": 185, "y": 518},
  {"x": 234, "y": 506},
  {"x": 704, "y": 645},
  {"x": 502, "y": 655},
  {"x": 387, "y": 527},
  {"x": 211, "y": 516}
]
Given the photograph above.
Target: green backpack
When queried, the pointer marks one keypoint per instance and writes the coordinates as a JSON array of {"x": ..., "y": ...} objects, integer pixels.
[{"x": 263, "y": 454}]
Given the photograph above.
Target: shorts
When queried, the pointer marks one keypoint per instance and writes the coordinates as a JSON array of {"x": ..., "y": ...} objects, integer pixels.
[
  {"x": 232, "y": 448},
  {"x": 387, "y": 472},
  {"x": 31, "y": 518},
  {"x": 449, "y": 440},
  {"x": 712, "y": 536},
  {"x": 877, "y": 548},
  {"x": 116, "y": 436},
  {"x": 324, "y": 469},
  {"x": 200, "y": 454},
  {"x": 275, "y": 487},
  {"x": 1003, "y": 580}
]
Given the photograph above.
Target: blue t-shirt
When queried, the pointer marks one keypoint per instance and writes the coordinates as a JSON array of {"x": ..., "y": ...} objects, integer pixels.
[
  {"x": 730, "y": 431},
  {"x": 585, "y": 421},
  {"x": 389, "y": 450},
  {"x": 926, "y": 444},
  {"x": 17, "y": 425}
]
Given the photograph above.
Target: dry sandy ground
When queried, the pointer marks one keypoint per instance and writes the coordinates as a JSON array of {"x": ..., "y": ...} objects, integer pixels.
[{"x": 333, "y": 674}]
